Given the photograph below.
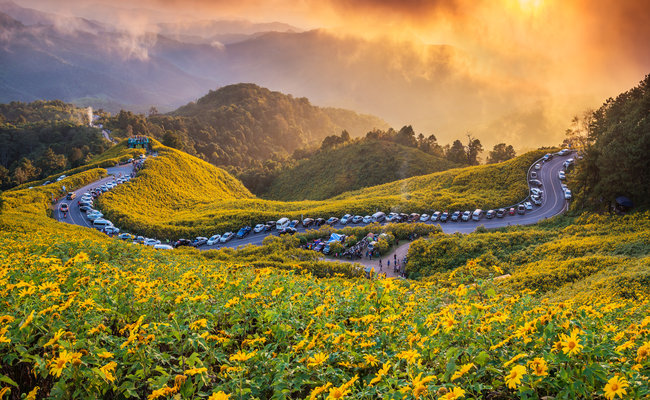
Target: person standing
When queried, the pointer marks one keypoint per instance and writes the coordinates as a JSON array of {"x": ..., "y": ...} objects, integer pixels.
[{"x": 381, "y": 268}]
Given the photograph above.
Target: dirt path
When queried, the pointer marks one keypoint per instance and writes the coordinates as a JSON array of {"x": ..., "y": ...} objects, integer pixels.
[{"x": 400, "y": 251}]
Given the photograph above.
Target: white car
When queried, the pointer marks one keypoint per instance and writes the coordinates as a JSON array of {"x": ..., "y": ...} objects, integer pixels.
[
  {"x": 150, "y": 242},
  {"x": 561, "y": 175},
  {"x": 226, "y": 237},
  {"x": 213, "y": 240},
  {"x": 567, "y": 194},
  {"x": 391, "y": 216},
  {"x": 60, "y": 178},
  {"x": 536, "y": 191},
  {"x": 435, "y": 216},
  {"x": 94, "y": 216},
  {"x": 345, "y": 219},
  {"x": 258, "y": 228},
  {"x": 538, "y": 166},
  {"x": 424, "y": 217},
  {"x": 533, "y": 175},
  {"x": 528, "y": 205},
  {"x": 367, "y": 219},
  {"x": 163, "y": 247},
  {"x": 112, "y": 230}
]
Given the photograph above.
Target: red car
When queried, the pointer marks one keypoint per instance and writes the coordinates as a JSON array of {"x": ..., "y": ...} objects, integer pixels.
[
  {"x": 64, "y": 207},
  {"x": 511, "y": 211}
]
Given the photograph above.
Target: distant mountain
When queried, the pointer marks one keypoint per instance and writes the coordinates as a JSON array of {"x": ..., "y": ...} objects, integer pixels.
[
  {"x": 353, "y": 166},
  {"x": 244, "y": 125}
]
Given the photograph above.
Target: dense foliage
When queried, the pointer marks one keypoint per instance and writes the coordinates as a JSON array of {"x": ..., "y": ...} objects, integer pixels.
[
  {"x": 177, "y": 195},
  {"x": 86, "y": 316},
  {"x": 243, "y": 125},
  {"x": 352, "y": 166},
  {"x": 42, "y": 138},
  {"x": 616, "y": 149},
  {"x": 590, "y": 255}
]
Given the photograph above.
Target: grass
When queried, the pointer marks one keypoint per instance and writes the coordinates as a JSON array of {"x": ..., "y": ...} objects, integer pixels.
[
  {"x": 350, "y": 167},
  {"x": 177, "y": 195}
]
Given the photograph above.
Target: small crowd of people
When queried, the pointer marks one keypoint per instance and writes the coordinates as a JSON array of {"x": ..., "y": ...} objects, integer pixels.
[{"x": 399, "y": 266}]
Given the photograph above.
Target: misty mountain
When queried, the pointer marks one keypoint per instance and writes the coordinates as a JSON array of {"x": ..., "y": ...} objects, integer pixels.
[{"x": 433, "y": 87}]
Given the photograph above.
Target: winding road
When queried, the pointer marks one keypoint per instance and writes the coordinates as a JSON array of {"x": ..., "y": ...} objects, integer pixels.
[{"x": 553, "y": 203}]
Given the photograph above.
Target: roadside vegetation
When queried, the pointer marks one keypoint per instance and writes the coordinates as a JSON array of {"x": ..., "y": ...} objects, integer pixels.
[
  {"x": 176, "y": 195},
  {"x": 83, "y": 315}
]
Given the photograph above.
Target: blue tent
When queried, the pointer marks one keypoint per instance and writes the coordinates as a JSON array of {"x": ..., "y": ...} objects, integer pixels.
[{"x": 624, "y": 202}]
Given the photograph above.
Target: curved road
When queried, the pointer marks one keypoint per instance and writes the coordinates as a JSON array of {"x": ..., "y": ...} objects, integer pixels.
[{"x": 553, "y": 203}]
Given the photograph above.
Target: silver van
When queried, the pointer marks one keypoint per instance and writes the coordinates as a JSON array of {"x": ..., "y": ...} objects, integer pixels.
[
  {"x": 477, "y": 214},
  {"x": 378, "y": 217},
  {"x": 101, "y": 223}
]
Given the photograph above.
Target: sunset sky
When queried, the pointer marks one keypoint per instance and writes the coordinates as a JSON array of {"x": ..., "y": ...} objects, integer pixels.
[{"x": 567, "y": 55}]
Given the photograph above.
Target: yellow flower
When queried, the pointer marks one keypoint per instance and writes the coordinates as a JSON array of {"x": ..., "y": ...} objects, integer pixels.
[
  {"x": 317, "y": 359},
  {"x": 241, "y": 356},
  {"x": 219, "y": 396},
  {"x": 409, "y": 355},
  {"x": 58, "y": 364},
  {"x": 318, "y": 390},
  {"x": 455, "y": 393},
  {"x": 371, "y": 360},
  {"x": 341, "y": 391},
  {"x": 105, "y": 354},
  {"x": 571, "y": 344},
  {"x": 539, "y": 366},
  {"x": 195, "y": 371},
  {"x": 380, "y": 374},
  {"x": 462, "y": 371},
  {"x": 55, "y": 339},
  {"x": 232, "y": 302},
  {"x": 643, "y": 352},
  {"x": 277, "y": 291},
  {"x": 32, "y": 394},
  {"x": 198, "y": 324},
  {"x": 448, "y": 322},
  {"x": 108, "y": 371},
  {"x": 419, "y": 387},
  {"x": 514, "y": 378},
  {"x": 616, "y": 386},
  {"x": 27, "y": 321}
]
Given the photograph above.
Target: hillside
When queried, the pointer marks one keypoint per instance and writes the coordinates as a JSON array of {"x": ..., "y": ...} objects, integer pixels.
[
  {"x": 350, "y": 167},
  {"x": 42, "y": 138},
  {"x": 176, "y": 195},
  {"x": 83, "y": 314},
  {"x": 244, "y": 125}
]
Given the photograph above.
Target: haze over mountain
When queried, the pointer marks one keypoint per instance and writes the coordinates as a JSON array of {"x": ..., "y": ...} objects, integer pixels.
[{"x": 520, "y": 86}]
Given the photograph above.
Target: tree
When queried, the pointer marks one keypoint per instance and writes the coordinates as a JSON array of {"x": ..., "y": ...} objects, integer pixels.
[
  {"x": 577, "y": 133},
  {"x": 153, "y": 111},
  {"x": 50, "y": 161},
  {"x": 172, "y": 139},
  {"x": 345, "y": 136},
  {"x": 25, "y": 172},
  {"x": 406, "y": 136},
  {"x": 456, "y": 153},
  {"x": 501, "y": 152},
  {"x": 474, "y": 148}
]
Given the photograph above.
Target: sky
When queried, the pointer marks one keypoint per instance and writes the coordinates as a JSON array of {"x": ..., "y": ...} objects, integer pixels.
[{"x": 564, "y": 55}]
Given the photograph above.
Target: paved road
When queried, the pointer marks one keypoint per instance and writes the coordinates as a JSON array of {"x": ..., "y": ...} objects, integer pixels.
[{"x": 553, "y": 203}]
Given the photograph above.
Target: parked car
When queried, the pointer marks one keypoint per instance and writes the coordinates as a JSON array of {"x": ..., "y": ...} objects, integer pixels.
[
  {"x": 258, "y": 228},
  {"x": 444, "y": 216},
  {"x": 424, "y": 217},
  {"x": 199, "y": 241},
  {"x": 111, "y": 230},
  {"x": 125, "y": 236},
  {"x": 538, "y": 166},
  {"x": 367, "y": 219},
  {"x": 536, "y": 200},
  {"x": 243, "y": 232},
  {"x": 151, "y": 242},
  {"x": 533, "y": 175},
  {"x": 319, "y": 221},
  {"x": 378, "y": 217},
  {"x": 563, "y": 152},
  {"x": 94, "y": 216},
  {"x": 528, "y": 205},
  {"x": 214, "y": 239},
  {"x": 307, "y": 222},
  {"x": 64, "y": 207},
  {"x": 455, "y": 217},
  {"x": 391, "y": 217},
  {"x": 567, "y": 194},
  {"x": 226, "y": 237},
  {"x": 536, "y": 182},
  {"x": 536, "y": 192},
  {"x": 332, "y": 221},
  {"x": 414, "y": 217},
  {"x": 490, "y": 214},
  {"x": 435, "y": 216},
  {"x": 521, "y": 209},
  {"x": 163, "y": 247},
  {"x": 357, "y": 219},
  {"x": 268, "y": 227},
  {"x": 561, "y": 175},
  {"x": 345, "y": 219},
  {"x": 71, "y": 196},
  {"x": 87, "y": 204},
  {"x": 403, "y": 217},
  {"x": 288, "y": 231},
  {"x": 467, "y": 215},
  {"x": 140, "y": 239},
  {"x": 501, "y": 212},
  {"x": 511, "y": 211},
  {"x": 272, "y": 224},
  {"x": 548, "y": 156},
  {"x": 294, "y": 223},
  {"x": 182, "y": 242},
  {"x": 60, "y": 178},
  {"x": 282, "y": 223}
]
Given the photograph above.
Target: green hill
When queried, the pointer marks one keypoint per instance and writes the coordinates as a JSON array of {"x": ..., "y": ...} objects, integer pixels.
[
  {"x": 243, "y": 125},
  {"x": 177, "y": 195},
  {"x": 353, "y": 166}
]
